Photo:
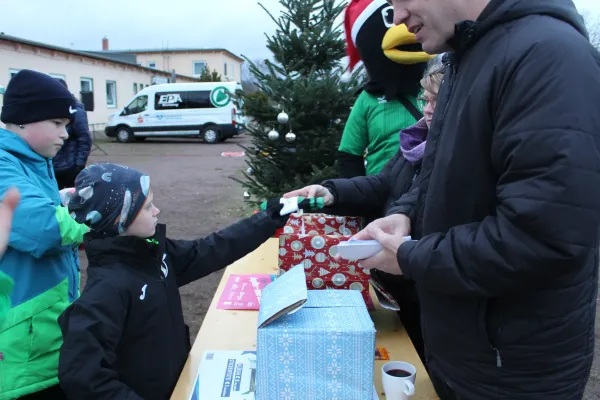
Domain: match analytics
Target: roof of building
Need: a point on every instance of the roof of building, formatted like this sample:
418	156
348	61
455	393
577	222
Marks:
83	54
176	50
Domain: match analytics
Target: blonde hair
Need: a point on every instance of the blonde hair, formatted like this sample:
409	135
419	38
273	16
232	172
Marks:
433	78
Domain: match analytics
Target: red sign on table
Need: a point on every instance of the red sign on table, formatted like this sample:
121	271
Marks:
243	292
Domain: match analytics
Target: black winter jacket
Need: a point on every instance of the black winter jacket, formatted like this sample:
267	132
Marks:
377	195
76	149
509	207
125	337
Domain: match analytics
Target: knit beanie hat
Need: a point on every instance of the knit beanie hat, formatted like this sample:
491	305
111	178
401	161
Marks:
108	197
33	97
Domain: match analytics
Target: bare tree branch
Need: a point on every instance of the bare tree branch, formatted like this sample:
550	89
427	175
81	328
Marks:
592	22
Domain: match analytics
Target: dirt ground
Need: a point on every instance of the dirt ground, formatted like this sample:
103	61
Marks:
196	197
194	193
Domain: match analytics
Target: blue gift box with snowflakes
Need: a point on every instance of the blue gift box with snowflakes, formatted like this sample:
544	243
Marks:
313	344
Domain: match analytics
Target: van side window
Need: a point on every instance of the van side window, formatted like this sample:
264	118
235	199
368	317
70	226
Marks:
138	105
199	99
169	101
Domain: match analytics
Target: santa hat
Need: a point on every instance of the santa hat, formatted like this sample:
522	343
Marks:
357	12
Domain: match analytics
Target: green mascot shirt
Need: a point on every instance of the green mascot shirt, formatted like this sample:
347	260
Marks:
374	125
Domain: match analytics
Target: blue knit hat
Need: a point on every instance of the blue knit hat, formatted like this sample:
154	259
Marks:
108	197
33	97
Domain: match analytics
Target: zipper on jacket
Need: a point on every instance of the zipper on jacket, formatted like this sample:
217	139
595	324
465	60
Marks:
498	358
451	63
50	169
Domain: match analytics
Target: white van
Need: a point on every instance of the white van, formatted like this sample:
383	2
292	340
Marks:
205	109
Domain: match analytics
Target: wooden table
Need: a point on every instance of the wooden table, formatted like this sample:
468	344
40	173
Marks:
236	330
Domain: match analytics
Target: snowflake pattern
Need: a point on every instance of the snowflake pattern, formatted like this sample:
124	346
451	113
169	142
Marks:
323	351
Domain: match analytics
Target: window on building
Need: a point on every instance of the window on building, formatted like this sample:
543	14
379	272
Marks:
151	64
199	67
225	70
12	72
135	88
86	84
111	94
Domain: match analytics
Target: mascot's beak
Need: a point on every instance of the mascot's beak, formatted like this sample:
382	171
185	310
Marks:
399	35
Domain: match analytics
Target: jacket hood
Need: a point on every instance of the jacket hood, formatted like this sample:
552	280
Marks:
136	252
499	12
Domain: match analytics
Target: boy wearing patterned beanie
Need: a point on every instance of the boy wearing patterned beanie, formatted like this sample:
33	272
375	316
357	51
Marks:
41	257
125	337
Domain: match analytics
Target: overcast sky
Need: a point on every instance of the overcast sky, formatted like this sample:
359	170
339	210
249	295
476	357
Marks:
237	25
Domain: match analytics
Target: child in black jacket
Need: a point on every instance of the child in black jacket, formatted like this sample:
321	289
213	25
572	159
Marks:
125	337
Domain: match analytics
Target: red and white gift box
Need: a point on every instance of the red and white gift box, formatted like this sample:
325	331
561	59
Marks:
311	240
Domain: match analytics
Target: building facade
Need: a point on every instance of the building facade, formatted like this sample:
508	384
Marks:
109	78
192	62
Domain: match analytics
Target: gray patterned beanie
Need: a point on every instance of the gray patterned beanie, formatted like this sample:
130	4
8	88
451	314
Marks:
108	197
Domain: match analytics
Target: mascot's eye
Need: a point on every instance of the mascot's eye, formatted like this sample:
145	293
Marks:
388	16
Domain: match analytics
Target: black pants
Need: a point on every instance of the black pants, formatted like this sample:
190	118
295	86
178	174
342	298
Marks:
66	178
52	393
404	292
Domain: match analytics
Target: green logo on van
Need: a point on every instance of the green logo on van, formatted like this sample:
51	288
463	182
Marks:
220	96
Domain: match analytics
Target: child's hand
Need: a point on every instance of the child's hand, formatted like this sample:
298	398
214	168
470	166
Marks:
66	195
9	204
286	206
313	191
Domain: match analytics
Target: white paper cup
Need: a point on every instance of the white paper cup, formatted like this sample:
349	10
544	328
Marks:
398	387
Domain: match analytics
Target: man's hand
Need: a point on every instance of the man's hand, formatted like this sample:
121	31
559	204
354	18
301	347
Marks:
9	204
389	232
311	192
395	224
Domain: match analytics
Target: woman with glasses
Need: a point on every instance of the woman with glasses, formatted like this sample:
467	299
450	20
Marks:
375	196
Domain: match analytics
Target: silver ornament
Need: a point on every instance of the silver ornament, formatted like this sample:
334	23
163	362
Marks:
246	196
249	171
273	135
283	118
338	121
290	137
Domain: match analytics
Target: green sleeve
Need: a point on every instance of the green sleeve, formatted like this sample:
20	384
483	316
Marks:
71	232
6	285
355	138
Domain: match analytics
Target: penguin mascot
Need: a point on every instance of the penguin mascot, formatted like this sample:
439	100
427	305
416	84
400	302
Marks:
395	63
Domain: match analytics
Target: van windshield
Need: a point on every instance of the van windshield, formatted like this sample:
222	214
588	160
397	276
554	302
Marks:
137	105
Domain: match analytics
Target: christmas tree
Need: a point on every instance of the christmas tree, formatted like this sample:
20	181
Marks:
301	106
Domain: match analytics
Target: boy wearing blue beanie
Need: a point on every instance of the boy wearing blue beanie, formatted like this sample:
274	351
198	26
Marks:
125	337
41	257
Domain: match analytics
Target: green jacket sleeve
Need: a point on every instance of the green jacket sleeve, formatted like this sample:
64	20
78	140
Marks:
6	285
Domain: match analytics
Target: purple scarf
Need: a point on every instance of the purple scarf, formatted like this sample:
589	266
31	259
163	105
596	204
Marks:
413	140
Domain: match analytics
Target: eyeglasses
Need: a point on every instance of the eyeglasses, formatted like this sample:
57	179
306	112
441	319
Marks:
423	101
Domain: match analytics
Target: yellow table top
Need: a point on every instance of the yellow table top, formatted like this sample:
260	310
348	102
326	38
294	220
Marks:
236	330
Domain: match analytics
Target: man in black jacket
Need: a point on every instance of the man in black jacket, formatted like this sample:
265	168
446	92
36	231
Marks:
508	205
73	155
